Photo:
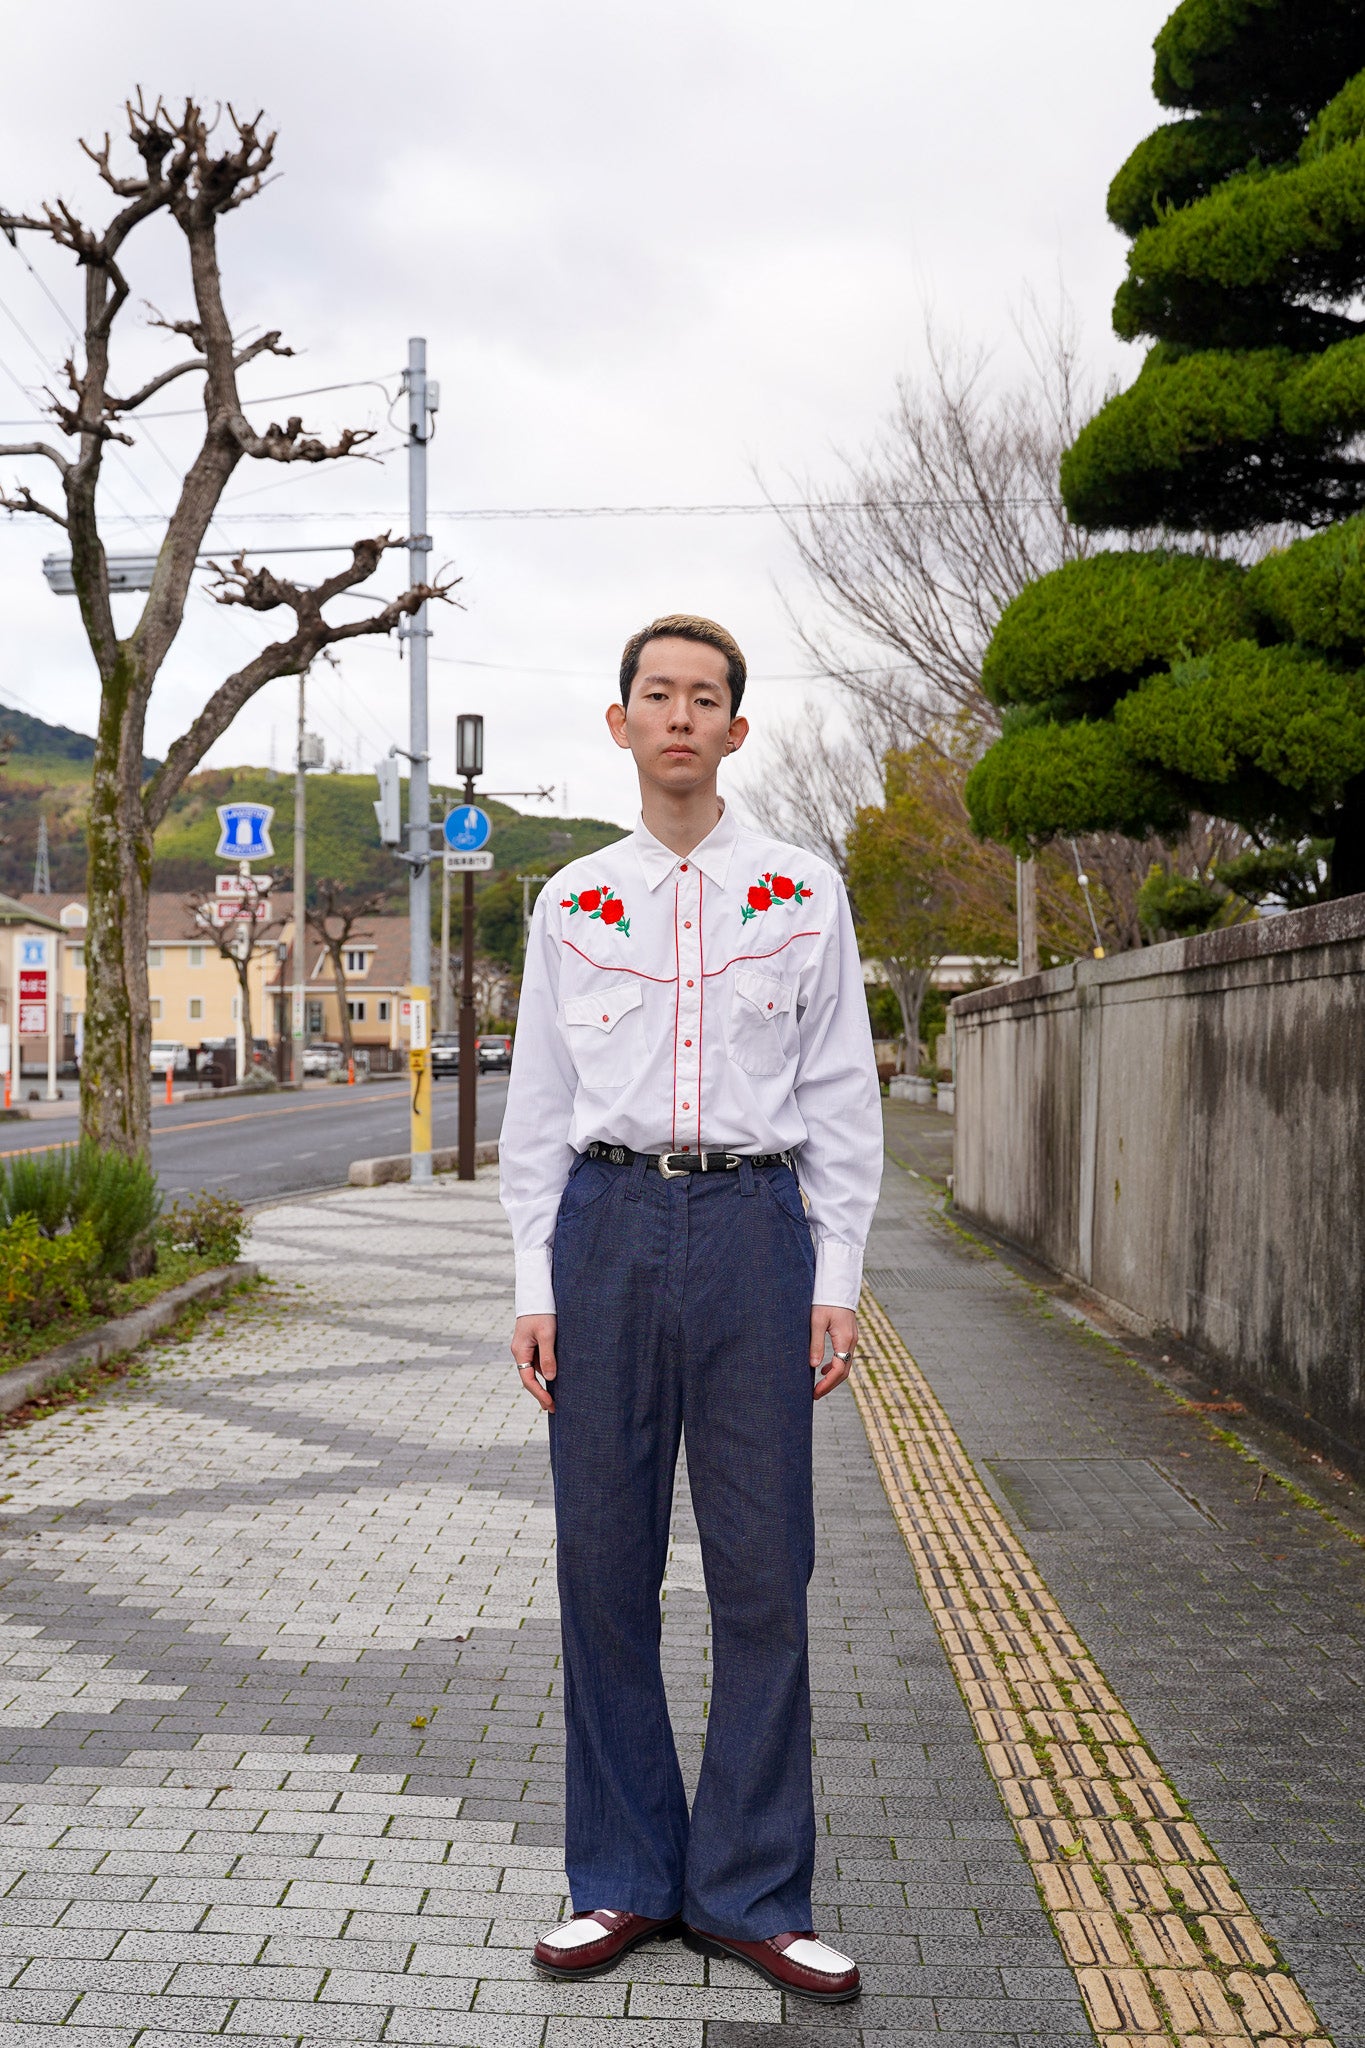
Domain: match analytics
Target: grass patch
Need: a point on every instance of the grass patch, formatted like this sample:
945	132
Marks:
174	1267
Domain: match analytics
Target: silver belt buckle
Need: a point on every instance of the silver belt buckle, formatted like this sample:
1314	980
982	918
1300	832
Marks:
670	1172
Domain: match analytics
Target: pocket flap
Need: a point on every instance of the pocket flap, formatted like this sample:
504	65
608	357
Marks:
605	1007
768	995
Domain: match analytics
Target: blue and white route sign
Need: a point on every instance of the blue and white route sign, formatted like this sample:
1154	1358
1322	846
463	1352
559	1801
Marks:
467	829
244	831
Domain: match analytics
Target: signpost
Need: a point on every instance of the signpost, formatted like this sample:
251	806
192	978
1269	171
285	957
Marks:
35	994
466	832
243	836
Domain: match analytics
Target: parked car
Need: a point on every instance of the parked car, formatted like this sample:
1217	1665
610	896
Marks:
170	1056
445	1053
494	1053
320	1059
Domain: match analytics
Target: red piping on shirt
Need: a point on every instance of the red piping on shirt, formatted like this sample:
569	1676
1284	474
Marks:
616	966
677	999
758	956
701	1000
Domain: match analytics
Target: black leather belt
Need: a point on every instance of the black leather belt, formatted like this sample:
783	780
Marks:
671	1163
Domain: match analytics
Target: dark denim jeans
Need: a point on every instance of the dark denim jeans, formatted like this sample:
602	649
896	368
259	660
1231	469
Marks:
684	1305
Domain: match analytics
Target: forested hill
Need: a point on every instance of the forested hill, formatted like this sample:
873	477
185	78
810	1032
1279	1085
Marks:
48	774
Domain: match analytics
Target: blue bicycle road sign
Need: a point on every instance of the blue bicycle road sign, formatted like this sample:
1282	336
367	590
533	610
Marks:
467	829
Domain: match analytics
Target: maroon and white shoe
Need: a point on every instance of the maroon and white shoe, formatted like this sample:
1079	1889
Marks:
592	1943
792	1962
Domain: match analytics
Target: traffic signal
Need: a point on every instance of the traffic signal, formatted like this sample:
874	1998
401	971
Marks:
389	808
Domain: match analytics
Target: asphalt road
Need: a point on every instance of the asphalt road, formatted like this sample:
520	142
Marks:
259	1148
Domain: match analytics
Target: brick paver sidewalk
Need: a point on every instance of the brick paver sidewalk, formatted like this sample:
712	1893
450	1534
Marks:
230	1590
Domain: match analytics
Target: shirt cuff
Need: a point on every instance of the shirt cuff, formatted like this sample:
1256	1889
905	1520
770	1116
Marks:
535	1295
838	1273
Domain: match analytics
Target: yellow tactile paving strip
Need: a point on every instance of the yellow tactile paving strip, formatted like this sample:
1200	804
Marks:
1163	1945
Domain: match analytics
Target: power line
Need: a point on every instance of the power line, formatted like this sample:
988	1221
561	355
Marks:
718	511
185	412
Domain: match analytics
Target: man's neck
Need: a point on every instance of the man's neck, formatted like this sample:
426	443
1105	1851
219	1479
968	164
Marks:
680	820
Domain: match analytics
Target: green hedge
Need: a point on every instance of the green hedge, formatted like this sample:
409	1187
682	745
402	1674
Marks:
1184	160
1094	628
1314	590
75	1186
1261	716
1045	781
1237	53
43	1279
1233	269
1219	440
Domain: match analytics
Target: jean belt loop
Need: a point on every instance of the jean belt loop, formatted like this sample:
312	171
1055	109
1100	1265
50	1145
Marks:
746	1177
639	1167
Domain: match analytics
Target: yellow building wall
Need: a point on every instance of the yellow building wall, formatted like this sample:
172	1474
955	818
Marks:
176	983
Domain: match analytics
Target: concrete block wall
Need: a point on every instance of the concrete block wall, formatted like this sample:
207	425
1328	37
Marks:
1182	1130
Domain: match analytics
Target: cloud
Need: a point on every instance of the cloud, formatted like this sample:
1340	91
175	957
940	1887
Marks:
649	246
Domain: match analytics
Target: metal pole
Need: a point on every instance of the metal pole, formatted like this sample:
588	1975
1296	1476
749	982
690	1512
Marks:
419	798
443	1000
468	1056
296	1021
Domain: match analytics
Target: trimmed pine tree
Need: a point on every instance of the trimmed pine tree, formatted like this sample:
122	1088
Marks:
1141	685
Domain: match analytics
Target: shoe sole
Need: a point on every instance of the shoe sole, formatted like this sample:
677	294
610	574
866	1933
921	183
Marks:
709	1945
670	1931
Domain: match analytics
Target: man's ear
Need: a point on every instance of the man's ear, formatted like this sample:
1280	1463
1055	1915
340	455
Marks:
739	732
616	724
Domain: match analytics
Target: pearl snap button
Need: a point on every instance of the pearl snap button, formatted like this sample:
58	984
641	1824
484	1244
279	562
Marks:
770	1006
606	1019
682	871
689	984
687	1041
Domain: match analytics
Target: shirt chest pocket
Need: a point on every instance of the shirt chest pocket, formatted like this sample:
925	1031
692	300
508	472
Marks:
762	1023
605	1034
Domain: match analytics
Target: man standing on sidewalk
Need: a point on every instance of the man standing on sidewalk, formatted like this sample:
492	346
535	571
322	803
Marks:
692	1052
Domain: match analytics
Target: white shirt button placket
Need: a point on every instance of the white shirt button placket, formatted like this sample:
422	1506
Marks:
687	1060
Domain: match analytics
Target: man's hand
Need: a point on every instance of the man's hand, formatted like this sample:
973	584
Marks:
533	1347
840	1325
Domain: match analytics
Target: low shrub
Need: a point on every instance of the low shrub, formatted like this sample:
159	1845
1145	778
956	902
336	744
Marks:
212	1225
43	1279
71	1185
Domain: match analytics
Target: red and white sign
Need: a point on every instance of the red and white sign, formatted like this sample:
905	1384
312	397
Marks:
33	984
32	1020
229	909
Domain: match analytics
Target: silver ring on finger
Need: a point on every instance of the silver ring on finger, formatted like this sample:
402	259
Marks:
844	1356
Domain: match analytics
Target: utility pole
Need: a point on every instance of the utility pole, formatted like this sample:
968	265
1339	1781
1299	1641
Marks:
420	407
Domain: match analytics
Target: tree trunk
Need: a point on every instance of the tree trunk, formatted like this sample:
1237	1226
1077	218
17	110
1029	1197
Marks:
343	1010
244	985
1346	869
116	1101
909	985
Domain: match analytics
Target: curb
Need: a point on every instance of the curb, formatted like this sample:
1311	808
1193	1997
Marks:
125	1333
374	1173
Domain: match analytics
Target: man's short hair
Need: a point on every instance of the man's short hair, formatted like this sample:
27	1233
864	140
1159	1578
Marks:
683	626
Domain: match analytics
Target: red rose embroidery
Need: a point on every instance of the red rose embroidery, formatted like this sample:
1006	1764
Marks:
600	903
773	889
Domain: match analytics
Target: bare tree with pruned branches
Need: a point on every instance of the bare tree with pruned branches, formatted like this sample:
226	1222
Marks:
333	916
177	174
240	941
912	553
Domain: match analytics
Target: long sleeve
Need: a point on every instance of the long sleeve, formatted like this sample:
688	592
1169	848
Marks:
534	1152
840	1104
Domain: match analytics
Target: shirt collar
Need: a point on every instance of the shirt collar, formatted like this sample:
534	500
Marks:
712	856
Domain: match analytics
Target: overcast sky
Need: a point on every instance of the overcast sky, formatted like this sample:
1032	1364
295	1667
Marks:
653	248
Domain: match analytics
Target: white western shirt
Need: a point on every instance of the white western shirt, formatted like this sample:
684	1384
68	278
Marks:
709	1003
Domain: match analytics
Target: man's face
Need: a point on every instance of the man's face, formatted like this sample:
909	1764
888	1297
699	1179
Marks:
677	723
